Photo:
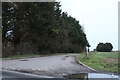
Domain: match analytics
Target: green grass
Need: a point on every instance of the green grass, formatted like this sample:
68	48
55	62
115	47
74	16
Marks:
60	54
109	54
33	55
21	56
95	61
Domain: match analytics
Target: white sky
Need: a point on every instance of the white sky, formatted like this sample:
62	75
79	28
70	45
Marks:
98	17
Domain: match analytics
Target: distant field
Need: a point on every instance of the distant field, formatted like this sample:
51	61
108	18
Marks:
106	61
109	54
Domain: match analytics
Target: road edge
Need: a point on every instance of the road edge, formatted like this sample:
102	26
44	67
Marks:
23	74
84	64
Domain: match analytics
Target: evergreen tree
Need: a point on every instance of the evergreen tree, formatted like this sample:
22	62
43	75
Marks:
40	28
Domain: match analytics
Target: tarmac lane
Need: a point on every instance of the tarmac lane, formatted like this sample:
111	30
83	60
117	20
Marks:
56	66
13	75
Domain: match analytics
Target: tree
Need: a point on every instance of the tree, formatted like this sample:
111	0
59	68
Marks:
40	28
104	47
108	47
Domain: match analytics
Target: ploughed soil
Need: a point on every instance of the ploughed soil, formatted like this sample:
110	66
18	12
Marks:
110	60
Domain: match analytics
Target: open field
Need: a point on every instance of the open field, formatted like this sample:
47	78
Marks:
105	61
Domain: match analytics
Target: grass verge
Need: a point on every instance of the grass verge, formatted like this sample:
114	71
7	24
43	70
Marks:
33	55
105	61
21	56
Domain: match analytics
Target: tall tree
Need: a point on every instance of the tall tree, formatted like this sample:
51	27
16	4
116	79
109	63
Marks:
40	28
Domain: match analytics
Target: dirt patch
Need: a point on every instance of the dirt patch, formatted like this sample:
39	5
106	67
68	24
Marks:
110	60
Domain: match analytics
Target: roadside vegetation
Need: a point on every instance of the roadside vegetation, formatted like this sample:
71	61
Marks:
21	56
32	55
105	61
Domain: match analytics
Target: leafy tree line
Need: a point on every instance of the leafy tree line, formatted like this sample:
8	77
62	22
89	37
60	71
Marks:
104	47
40	28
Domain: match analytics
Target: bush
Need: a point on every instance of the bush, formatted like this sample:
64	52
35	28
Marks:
104	47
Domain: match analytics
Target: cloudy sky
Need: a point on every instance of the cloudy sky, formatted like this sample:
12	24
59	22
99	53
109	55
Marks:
98	17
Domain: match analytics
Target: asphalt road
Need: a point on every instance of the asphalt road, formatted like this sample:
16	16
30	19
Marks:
56	66
12	75
42	68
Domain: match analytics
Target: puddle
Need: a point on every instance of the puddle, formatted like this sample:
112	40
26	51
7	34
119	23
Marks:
86	76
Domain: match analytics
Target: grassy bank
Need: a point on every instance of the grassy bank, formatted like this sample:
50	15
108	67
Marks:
21	56
33	55
106	61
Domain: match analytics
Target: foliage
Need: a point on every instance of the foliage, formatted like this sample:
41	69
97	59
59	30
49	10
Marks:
104	47
40	28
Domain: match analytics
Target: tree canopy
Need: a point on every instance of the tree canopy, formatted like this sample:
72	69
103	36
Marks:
40	28
104	47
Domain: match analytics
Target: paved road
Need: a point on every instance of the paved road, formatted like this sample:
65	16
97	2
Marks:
12	75
56	66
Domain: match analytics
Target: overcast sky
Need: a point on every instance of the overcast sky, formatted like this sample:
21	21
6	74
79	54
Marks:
98	17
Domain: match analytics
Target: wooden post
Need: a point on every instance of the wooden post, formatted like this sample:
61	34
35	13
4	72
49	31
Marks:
87	51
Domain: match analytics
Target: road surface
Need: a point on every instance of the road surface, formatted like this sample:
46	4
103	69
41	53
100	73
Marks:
12	75
56	66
